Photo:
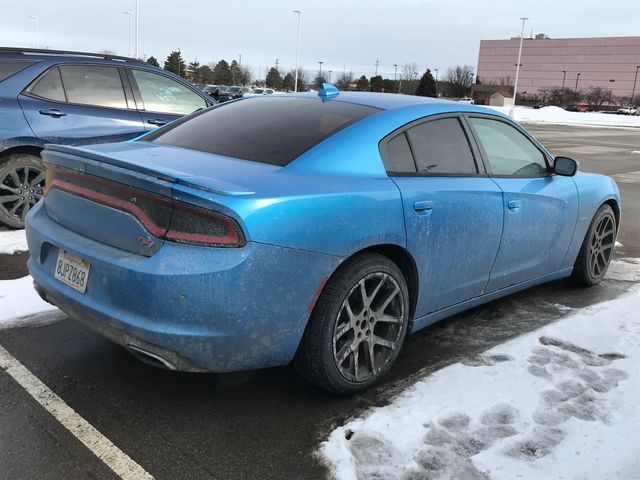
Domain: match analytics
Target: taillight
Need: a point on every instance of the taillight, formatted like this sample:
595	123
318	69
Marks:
199	226
163	217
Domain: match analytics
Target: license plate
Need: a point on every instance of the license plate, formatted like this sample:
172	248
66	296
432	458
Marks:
72	270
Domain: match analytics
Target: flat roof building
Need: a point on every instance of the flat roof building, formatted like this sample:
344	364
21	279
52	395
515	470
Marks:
606	62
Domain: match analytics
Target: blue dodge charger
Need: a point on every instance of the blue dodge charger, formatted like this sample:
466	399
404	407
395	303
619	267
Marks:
316	229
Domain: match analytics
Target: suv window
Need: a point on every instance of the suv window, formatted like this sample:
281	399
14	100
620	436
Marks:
49	86
9	67
162	94
441	147
508	151
93	85
275	130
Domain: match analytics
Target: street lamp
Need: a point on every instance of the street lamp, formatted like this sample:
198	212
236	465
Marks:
329	77
137	24
575	91
295	83
633	92
320	63
36	20
515	84
564	77
130	32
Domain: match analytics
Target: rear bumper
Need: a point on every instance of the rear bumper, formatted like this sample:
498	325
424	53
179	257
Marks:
198	308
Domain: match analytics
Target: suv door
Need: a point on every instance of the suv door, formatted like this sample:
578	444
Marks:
540	208
453	211
81	104
161	99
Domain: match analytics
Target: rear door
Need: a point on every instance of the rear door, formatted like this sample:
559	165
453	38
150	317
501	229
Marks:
81	104
161	99
453	211
540	208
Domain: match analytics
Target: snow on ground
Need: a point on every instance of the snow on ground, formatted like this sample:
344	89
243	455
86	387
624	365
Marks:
12	241
20	305
560	116
561	402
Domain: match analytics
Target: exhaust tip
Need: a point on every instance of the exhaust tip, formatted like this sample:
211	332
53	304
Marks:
150	358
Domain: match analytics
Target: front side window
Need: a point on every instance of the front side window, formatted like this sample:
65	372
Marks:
441	147
49	86
275	130
162	94
508	151
93	85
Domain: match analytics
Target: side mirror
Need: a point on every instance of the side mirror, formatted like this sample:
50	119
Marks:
565	166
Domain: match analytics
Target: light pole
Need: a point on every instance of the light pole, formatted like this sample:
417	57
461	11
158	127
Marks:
564	77
515	84
130	32
395	74
295	83
436	70
240	60
329	78
137	24
37	33
633	92
575	91
320	63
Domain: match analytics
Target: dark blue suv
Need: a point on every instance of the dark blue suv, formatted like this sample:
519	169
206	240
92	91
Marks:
75	98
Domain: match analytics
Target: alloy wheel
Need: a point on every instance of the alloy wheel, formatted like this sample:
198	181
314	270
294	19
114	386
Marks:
601	246
20	189
368	327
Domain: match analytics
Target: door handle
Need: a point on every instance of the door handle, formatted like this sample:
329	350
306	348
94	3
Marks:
514	204
157	121
423	205
54	112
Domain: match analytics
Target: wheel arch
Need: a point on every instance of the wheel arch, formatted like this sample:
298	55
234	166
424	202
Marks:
24	149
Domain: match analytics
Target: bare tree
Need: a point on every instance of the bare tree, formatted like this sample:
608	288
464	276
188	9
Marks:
409	71
244	75
459	80
344	81
596	96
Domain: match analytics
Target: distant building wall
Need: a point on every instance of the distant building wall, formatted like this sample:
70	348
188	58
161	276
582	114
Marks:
598	60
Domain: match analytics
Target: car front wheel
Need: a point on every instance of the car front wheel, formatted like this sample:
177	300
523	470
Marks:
597	249
357	326
21	186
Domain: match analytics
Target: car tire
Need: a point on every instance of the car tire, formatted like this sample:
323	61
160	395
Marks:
16	172
596	250
365	302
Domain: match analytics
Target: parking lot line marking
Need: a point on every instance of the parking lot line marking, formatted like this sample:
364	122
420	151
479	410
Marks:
98	444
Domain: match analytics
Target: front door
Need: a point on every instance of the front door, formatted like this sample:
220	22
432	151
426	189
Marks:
540	208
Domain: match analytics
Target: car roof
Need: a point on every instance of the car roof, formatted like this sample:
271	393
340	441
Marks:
57	55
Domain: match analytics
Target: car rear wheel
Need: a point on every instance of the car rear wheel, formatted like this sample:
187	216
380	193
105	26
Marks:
597	249
21	186
357	327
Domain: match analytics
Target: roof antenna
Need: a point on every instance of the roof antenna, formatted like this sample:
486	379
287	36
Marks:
328	91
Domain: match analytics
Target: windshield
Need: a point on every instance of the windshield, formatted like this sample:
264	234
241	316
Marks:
233	89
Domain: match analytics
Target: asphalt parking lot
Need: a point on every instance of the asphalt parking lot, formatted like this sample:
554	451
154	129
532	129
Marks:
263	424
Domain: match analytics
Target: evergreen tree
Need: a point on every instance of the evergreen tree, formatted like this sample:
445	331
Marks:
273	79
389	85
362	84
427	85
152	61
206	74
235	73
376	83
288	84
194	71
174	63
222	73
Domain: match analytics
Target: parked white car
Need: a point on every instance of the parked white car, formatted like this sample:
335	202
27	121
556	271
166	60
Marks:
468	100
627	111
256	92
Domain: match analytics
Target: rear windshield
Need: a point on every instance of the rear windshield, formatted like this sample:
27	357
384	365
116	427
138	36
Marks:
9	67
272	130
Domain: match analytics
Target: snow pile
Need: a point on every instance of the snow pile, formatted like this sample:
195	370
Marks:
560	116
12	241
560	402
20	305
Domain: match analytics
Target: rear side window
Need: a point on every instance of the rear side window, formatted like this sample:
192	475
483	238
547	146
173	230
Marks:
49	86
9	67
93	85
442	147
162	94
268	129
399	158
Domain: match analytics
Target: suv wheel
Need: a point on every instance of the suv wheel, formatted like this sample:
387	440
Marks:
21	186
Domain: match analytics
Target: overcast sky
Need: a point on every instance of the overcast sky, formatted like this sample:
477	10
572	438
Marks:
349	34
